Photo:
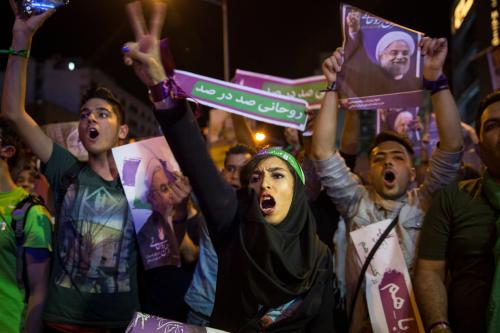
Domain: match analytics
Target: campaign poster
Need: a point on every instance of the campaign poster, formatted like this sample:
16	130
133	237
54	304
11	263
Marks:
66	135
146	169
388	288
470	156
382	64
403	121
145	323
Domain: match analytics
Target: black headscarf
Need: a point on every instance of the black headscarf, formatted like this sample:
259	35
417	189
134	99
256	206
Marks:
280	261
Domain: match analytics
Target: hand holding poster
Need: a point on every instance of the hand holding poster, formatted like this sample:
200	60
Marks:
146	169
382	64
389	293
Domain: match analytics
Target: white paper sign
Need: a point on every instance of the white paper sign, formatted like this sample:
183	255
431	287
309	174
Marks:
389	293
145	167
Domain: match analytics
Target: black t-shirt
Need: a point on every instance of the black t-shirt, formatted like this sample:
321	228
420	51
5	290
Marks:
460	228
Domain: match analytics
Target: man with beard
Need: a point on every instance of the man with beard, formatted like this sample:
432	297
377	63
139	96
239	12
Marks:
393	52
460	234
391	171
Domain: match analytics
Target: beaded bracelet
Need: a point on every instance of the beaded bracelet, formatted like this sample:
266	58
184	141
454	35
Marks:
20	53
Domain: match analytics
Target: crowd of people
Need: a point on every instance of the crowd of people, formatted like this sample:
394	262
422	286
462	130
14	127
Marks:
262	245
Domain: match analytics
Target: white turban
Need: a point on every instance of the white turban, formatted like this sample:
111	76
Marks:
391	37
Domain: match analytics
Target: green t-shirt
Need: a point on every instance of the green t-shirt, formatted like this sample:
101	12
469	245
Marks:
37	233
460	229
94	275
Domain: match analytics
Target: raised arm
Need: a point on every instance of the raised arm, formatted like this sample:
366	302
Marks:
14	87
349	140
340	185
325	125
243	132
445	162
217	199
447	115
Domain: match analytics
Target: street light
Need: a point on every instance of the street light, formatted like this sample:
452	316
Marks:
260	136
225	34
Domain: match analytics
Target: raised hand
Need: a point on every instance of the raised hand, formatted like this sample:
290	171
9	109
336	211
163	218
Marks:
333	64
26	27
180	191
144	54
434	51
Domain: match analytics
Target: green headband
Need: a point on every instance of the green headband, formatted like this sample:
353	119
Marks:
287	157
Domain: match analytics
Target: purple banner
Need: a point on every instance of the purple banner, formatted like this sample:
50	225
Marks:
145	323
308	88
395	299
382	64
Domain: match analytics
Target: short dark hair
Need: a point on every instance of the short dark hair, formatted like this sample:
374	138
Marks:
392	136
108	96
10	138
238	149
485	102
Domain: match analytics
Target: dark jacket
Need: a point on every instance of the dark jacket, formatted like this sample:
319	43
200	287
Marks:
224	214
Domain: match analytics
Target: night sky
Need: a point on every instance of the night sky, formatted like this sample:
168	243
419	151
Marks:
283	38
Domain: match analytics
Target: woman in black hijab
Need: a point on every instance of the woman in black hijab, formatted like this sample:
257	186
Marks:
274	273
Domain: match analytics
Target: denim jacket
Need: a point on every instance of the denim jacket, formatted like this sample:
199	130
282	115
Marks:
361	205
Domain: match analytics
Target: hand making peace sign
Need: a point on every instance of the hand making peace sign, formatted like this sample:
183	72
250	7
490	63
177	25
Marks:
144	54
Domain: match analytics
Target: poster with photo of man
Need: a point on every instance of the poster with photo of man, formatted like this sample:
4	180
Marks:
146	169
382	65
403	121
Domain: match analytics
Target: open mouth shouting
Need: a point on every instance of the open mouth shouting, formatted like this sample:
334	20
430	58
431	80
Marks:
93	133
389	178
267	204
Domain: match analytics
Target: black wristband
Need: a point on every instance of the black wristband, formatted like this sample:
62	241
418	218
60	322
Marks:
435	86
330	87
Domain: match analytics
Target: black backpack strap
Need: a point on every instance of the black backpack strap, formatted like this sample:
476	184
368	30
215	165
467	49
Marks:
367	263
19	217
